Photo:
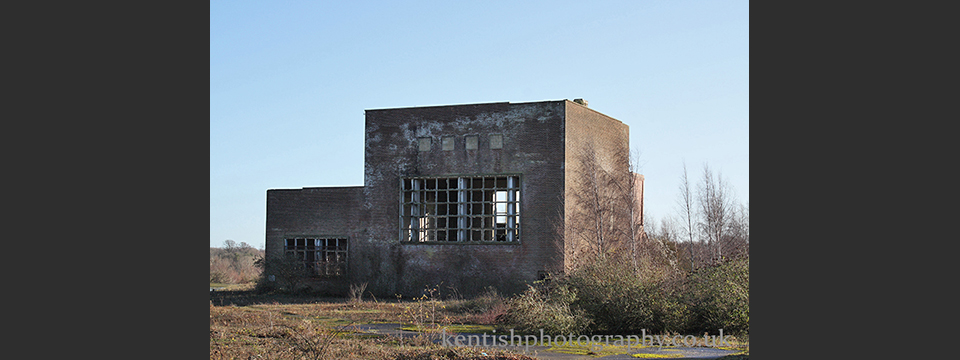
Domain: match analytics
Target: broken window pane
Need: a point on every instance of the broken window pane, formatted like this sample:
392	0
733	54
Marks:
470	208
323	257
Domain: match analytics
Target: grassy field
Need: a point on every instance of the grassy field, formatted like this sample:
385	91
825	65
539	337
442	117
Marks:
246	325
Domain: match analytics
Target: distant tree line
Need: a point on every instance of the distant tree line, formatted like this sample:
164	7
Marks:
710	226
234	264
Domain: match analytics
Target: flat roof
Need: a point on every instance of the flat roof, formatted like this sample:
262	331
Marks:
467	104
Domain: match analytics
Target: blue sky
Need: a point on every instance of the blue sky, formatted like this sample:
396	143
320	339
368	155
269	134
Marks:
290	80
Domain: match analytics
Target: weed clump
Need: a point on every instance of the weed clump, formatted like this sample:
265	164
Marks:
548	308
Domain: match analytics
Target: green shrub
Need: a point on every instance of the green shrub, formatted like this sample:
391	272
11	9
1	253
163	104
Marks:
608	297
621	302
718	298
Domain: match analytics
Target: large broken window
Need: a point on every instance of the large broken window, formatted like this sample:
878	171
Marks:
325	257
461	209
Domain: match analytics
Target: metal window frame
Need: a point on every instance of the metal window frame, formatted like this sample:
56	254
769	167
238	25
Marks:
316	248
419	231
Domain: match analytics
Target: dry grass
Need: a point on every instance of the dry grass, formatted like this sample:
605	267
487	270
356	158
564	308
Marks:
252	326
320	330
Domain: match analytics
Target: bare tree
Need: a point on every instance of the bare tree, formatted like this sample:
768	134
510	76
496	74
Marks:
587	237
686	204
736	240
659	256
687	213
600	222
633	188
606	220
716	211
671	233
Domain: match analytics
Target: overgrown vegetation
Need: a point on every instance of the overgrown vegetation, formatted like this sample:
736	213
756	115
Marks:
603	298
620	302
629	276
248	324
234	264
718	297
606	298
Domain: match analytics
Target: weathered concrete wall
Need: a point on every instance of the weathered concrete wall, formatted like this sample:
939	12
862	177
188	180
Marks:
533	142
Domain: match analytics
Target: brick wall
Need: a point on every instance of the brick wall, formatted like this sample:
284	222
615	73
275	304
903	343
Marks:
607	140
315	212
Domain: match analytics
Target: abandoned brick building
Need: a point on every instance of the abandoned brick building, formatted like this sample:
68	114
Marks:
461	196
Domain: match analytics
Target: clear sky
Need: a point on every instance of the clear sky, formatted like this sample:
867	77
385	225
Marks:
290	80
